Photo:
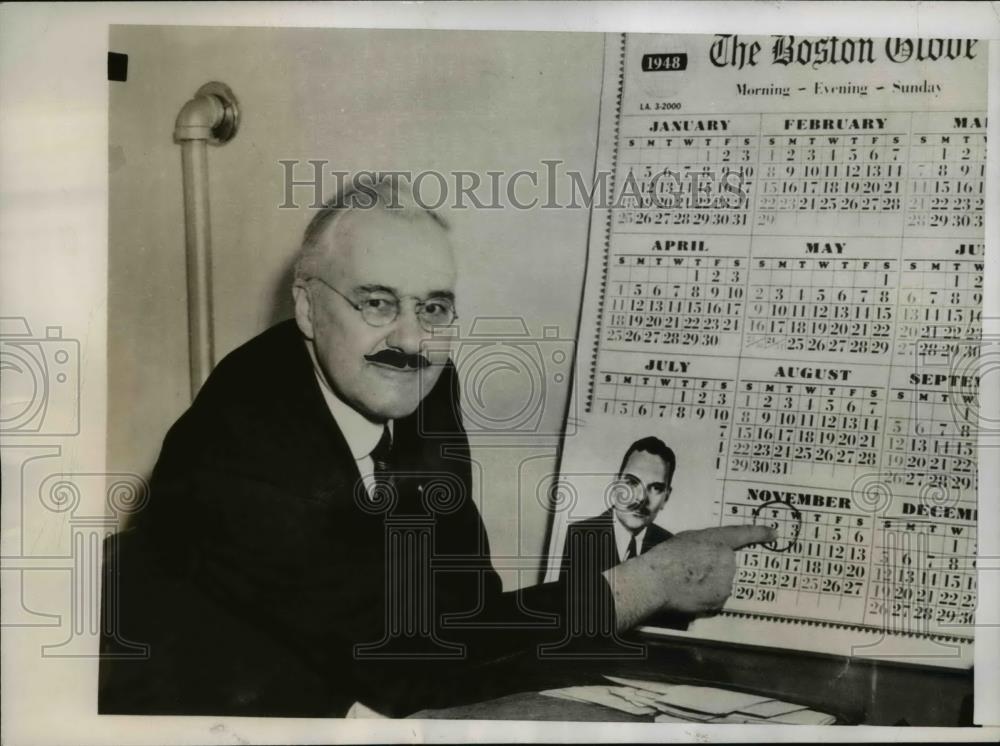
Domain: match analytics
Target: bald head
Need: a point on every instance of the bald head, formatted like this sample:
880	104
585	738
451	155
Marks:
322	235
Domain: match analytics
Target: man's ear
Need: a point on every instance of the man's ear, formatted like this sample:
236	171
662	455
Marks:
303	309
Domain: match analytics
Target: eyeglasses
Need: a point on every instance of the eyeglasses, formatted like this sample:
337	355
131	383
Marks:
381	308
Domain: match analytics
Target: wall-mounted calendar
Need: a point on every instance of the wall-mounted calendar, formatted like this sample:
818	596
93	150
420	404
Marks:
784	287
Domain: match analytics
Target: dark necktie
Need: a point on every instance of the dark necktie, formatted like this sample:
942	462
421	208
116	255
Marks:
630	553
382	466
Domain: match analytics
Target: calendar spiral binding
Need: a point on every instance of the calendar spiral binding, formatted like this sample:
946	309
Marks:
588	407
956	639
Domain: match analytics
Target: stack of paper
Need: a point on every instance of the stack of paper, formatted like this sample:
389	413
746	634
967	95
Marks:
608	696
683	703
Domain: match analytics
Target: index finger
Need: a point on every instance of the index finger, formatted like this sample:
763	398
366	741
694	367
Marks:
740	536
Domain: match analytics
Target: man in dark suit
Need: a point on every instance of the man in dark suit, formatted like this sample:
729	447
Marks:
311	540
626	529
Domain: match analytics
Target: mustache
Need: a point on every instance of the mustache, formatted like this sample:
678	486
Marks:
399	359
634	506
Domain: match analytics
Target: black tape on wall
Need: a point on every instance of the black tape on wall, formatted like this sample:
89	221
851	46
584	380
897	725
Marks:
117	67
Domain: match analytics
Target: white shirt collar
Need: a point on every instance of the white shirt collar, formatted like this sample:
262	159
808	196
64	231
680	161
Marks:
623	536
361	434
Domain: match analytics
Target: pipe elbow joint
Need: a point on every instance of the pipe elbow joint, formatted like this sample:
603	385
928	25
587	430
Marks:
212	116
199	117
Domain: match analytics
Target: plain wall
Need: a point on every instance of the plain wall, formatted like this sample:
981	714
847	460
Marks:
359	99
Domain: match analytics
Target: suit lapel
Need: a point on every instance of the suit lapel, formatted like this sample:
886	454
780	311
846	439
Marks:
335	476
654	535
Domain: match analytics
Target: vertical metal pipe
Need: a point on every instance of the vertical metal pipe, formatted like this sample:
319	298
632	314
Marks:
212	116
198	238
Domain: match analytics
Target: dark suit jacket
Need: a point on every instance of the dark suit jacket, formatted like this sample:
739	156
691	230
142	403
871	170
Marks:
254	570
591	543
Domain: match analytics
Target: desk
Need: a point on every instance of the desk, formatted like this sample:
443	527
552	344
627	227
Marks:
856	691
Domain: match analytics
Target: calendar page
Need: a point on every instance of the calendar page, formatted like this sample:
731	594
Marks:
784	289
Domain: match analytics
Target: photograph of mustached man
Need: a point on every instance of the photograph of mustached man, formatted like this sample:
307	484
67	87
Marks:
627	527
